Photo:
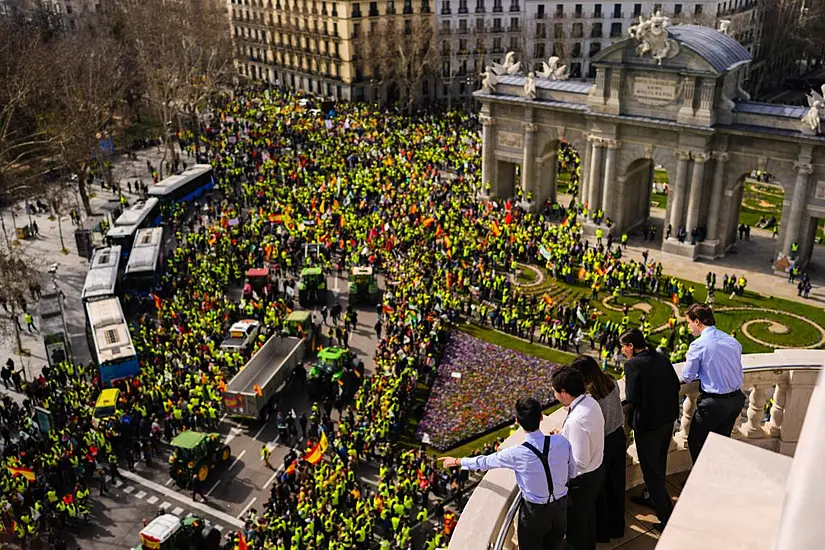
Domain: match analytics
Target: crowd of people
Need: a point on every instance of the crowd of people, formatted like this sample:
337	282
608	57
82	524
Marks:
370	187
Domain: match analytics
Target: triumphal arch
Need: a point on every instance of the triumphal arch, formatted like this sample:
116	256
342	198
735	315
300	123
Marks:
668	96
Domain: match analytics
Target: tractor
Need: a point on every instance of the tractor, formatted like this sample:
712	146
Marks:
363	286
196	453
333	374
312	287
169	532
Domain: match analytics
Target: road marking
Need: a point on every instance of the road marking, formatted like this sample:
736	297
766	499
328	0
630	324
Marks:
215	486
174	495
219	527
259	431
152	500
165	505
140	494
169	482
273	476
233	433
229	421
237	458
190	514
177	511
245	508
118	483
129	489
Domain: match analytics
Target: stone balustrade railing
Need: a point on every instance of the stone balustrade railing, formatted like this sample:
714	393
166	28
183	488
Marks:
786	376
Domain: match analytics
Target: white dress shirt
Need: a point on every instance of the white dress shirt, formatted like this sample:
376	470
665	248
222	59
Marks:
584	428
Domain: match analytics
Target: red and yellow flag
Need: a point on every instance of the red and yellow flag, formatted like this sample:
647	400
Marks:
242	545
496	229
28	473
258	390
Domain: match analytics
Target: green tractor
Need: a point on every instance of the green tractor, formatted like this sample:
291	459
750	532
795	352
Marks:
363	286
329	371
196	453
312	287
299	325
169	532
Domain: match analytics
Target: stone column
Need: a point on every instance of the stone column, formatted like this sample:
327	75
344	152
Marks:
716	194
800	193
548	180
528	163
608	186
677	198
584	173
696	185
595	186
487	153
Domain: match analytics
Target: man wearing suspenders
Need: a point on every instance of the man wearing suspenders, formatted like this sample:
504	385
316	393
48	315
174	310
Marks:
543	465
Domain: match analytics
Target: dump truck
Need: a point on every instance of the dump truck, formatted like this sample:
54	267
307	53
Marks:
250	394
363	286
169	532
196	453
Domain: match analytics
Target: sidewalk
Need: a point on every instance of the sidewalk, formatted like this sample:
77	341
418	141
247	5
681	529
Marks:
44	250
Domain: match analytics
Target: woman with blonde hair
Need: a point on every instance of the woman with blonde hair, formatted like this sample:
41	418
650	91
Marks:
610	520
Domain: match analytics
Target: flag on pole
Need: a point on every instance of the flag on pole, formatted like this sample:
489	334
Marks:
242	545
158	301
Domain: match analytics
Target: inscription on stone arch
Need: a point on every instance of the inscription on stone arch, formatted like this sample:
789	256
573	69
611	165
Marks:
510	140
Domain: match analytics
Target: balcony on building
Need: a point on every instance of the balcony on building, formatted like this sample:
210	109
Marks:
759	489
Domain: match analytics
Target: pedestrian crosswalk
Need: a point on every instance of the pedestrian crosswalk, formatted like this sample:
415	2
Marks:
165	506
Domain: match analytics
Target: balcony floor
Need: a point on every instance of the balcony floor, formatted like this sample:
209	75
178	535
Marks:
640	534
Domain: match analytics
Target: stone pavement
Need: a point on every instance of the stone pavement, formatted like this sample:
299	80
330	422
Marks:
71	273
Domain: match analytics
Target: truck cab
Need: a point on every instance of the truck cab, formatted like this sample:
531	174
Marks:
241	335
169	532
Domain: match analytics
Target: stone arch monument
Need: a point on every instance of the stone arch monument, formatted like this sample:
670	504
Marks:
670	96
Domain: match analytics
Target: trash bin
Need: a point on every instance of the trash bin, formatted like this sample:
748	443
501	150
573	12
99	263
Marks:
22	232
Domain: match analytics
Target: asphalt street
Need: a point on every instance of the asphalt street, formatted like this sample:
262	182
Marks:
243	483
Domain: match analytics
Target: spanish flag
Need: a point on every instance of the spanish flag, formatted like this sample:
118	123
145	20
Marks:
387	309
258	390
291	469
28	473
428	221
315	455
496	229
158	301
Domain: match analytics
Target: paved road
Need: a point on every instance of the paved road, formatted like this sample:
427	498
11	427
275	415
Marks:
233	489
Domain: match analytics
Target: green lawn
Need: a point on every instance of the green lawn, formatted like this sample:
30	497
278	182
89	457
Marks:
526	276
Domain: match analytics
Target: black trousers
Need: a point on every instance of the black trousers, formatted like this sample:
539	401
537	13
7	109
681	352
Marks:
581	512
714	413
651	447
610	518
542	526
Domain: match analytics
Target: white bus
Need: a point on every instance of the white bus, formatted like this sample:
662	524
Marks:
145	264
109	338
142	214
101	279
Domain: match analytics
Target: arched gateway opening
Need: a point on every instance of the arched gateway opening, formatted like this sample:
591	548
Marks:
676	111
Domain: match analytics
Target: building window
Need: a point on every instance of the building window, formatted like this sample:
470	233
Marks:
514	5
577	10
445	27
390	7
596	30
373	9
541	30
425	6
657	8
540	11
539	50
407	7
617	11
558	31
356	30
514	46
637	10
479	24
578	30
497	5
597	10
513	24
445	7
677	9
595	47
462	46
497	45
576	70
615	30
445	69
497	24
698	9
407	27
479	6
462	26
356	10
462	6
559	10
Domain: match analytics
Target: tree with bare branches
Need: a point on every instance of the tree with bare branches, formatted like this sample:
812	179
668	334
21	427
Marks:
406	53
182	64
84	84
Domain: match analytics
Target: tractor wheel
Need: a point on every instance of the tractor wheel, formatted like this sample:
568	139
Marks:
224	454
203	472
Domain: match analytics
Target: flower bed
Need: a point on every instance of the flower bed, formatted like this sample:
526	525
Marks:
483	396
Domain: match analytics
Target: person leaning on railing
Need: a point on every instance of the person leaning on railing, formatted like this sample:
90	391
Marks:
715	359
543	465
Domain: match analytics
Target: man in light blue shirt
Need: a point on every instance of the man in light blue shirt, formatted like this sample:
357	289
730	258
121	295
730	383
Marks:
715	359
543	465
